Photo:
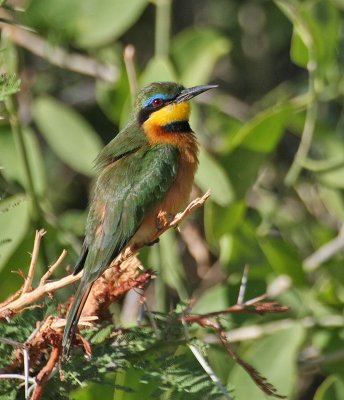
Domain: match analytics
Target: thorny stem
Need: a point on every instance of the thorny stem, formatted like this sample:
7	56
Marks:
162	27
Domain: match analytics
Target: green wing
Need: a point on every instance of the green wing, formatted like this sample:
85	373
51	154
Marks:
124	193
127	141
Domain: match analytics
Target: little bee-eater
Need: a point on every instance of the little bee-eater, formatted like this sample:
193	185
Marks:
148	168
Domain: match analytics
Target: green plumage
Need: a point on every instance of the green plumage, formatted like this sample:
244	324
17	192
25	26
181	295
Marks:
133	176
128	189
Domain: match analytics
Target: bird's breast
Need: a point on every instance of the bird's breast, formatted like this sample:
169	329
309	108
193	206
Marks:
178	194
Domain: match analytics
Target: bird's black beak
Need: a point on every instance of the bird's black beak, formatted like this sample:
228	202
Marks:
187	94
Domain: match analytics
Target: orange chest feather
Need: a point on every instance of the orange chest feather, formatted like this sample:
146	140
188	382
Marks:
178	194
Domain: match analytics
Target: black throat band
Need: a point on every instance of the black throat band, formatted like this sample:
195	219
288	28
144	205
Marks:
177	127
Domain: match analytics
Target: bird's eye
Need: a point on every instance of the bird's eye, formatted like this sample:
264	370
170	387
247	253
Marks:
157	102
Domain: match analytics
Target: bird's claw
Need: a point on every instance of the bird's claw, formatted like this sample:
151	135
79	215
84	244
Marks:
163	219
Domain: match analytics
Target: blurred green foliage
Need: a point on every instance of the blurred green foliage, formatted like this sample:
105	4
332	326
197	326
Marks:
272	153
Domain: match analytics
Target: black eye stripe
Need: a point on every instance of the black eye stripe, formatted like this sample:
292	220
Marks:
146	111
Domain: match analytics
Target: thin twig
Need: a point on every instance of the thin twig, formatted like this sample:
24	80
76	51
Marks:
12	342
260	380
28	298
26	371
128	55
44	288
16	376
129	252
253	332
243	284
251	306
325	252
209	371
152	321
58	56
45	373
28	281
162	27
52	268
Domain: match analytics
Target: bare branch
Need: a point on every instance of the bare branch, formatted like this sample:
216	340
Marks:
45	372
251	306
57	55
197	203
52	268
260	380
129	61
31	297
28	281
8	309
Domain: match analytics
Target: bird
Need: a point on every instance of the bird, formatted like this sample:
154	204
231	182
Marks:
147	169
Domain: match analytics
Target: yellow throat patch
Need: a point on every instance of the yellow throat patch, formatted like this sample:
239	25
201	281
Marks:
168	114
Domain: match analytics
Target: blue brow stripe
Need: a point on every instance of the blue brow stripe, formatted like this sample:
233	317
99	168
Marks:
163	96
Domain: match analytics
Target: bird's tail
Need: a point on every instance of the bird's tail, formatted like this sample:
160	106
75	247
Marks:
74	314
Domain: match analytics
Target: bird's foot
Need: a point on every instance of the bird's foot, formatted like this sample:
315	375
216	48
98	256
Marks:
163	218
153	242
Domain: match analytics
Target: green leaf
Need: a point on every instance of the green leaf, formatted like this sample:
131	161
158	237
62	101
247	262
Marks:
283	258
19	259
298	50
112	97
332	388
8	55
195	52
67	133
213	299
316	33
13	168
243	168
333	200
263	132
94	390
99	22
275	358
14	222
86	22
211	175
221	220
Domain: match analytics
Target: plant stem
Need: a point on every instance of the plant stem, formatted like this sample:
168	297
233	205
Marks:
162	27
293	11
308	130
23	155
128	55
